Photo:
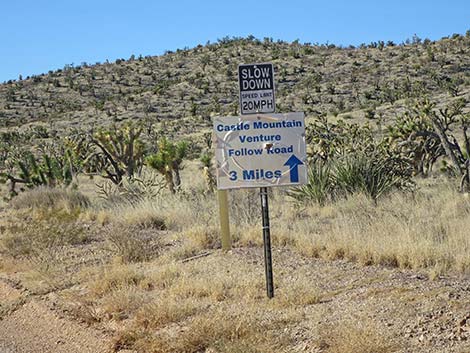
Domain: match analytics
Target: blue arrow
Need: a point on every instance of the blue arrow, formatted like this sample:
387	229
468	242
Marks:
293	162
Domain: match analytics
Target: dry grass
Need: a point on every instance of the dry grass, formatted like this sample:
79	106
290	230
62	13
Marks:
171	212
113	277
123	302
143	215
10	304
297	294
41	232
195	306
215	306
218	306
425	231
219	331
45	197
42	220
202	237
165	276
165	310
356	335
130	243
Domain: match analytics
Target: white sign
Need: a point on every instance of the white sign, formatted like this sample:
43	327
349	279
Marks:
256	88
260	150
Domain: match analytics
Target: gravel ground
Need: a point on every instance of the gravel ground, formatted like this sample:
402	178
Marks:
418	314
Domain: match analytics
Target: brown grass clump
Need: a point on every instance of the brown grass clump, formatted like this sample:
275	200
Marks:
46	197
143	215
123	302
114	277
353	336
248	236
165	276
297	294
115	291
218	331
178	212
424	231
217	289
195	306
131	243
163	311
202	237
42	232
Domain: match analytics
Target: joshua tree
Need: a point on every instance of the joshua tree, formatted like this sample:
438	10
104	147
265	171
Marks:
118	152
206	160
168	161
413	136
33	171
442	121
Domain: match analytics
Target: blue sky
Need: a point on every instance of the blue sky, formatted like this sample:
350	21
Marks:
40	35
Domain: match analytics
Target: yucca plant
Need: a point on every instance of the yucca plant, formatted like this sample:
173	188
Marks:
374	175
320	187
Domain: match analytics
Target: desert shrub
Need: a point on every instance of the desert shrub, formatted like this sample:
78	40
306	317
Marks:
168	161
328	140
131	243
116	152
43	234
413	136
347	159
146	186
245	207
46	197
47	168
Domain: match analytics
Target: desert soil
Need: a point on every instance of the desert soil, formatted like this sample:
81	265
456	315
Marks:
419	314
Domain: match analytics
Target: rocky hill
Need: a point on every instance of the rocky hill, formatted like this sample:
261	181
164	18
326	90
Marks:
180	91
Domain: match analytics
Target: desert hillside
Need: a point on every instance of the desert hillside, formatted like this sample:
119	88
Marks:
183	89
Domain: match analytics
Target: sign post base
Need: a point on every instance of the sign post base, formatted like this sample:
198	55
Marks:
224	219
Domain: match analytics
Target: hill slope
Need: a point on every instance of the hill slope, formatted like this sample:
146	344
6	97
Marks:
183	89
